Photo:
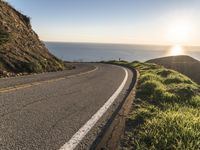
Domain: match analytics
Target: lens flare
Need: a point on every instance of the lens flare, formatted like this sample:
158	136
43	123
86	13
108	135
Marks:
180	32
176	50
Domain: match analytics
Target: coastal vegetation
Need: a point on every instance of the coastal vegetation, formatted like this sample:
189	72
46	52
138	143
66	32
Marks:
165	113
4	36
23	17
21	50
182	63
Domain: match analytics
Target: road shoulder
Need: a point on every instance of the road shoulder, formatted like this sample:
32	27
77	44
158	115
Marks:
110	138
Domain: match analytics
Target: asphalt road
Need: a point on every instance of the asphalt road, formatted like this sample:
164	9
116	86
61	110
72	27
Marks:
43	112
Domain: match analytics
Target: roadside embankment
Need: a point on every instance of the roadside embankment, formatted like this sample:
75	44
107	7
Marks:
165	113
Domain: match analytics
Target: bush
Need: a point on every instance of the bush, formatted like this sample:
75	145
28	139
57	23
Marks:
148	88
33	67
195	101
185	92
177	79
149	77
4	36
165	72
29	67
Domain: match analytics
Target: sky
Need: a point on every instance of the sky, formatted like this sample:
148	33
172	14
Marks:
160	22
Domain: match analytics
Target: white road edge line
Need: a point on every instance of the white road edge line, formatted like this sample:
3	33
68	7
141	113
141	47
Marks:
81	133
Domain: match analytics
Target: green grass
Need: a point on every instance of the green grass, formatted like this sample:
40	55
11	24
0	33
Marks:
166	112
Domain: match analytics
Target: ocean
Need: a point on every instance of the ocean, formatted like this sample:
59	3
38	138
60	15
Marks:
90	52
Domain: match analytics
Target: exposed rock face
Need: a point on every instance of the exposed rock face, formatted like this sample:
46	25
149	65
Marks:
183	64
20	48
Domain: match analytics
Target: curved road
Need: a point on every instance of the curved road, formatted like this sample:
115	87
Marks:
47	111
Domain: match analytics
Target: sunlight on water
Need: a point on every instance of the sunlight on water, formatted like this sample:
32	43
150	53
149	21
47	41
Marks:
176	50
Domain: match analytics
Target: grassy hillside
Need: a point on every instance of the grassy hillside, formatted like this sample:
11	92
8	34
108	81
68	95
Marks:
20	47
166	111
184	64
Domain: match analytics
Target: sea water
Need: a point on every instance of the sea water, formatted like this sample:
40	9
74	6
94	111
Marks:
90	52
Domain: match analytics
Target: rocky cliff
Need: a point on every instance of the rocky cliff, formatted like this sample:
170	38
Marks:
20	48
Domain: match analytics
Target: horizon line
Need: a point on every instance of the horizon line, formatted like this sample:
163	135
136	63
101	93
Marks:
116	43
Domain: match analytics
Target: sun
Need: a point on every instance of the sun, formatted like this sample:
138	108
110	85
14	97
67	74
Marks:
179	31
176	50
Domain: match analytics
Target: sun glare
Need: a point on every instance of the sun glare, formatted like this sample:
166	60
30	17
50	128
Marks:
176	50
179	31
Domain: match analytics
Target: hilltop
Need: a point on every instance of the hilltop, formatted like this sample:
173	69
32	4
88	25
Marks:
183	64
21	51
165	113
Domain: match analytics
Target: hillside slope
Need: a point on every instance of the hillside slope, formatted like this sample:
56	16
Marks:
165	113
20	48
183	64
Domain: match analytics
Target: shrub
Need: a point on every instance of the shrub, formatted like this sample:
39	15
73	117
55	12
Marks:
33	67
28	67
4	36
164	72
149	76
195	101
185	92
177	79
148	88
154	91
